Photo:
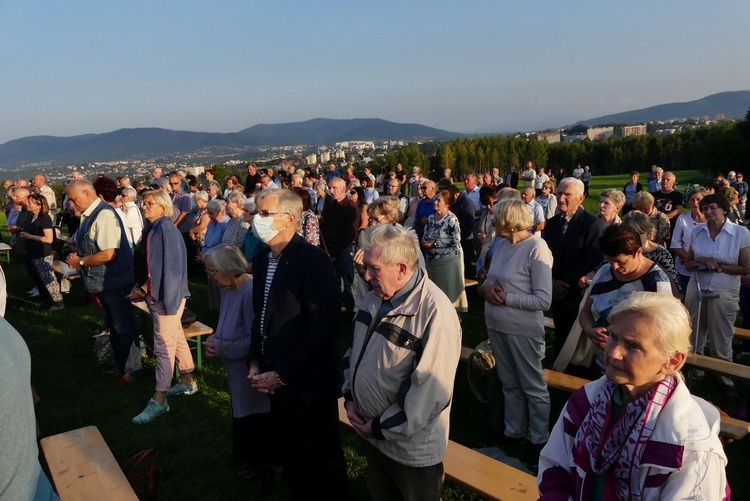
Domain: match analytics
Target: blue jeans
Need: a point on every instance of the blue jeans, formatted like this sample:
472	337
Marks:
119	317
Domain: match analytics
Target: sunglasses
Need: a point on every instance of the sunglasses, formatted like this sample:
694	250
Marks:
423	188
266	213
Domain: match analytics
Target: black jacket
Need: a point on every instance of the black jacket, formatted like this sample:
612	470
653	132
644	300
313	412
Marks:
578	252
303	320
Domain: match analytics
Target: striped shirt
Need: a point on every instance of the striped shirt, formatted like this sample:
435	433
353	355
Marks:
273	263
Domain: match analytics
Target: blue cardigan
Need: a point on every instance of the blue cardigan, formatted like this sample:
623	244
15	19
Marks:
167	265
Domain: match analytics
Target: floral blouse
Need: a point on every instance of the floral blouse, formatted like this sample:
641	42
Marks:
310	229
446	234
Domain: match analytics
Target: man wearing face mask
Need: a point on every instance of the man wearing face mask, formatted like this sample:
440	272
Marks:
293	356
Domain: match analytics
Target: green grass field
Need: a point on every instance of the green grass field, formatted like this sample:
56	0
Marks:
194	439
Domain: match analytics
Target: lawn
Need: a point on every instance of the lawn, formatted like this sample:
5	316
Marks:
194	439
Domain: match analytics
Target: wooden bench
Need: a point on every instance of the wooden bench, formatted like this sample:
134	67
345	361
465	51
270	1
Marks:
5	250
468	282
193	333
731	429
83	468
719	366
482	474
741	333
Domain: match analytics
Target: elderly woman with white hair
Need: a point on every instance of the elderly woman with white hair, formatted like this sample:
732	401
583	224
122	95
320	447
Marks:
160	272
132	219
518	290
236	226
227	267
637	432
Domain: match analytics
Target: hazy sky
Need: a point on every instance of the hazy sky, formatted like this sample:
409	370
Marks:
76	67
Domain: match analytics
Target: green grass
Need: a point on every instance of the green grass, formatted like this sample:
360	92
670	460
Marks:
194	439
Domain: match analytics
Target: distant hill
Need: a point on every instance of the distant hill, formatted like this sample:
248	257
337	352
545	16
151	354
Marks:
153	142
733	104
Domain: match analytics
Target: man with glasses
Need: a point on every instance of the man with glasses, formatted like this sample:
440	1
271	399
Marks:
293	356
393	189
103	255
183	205
425	207
337	232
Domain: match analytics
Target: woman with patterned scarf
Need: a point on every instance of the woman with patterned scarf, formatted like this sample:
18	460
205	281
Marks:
637	433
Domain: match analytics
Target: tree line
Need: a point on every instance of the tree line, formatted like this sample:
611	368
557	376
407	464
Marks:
711	149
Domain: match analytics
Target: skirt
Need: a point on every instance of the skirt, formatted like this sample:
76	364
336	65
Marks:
447	272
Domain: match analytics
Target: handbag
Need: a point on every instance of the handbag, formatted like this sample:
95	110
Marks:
142	473
480	364
188	317
103	348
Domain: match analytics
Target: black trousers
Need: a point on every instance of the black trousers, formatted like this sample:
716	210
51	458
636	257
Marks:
309	449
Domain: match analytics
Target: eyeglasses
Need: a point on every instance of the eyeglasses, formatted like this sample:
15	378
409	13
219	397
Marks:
353	192
175	184
393	186
374	219
423	188
211	273
148	204
266	213
545	188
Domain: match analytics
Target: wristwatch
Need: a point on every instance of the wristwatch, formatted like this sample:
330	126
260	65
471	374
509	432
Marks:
719	268
80	262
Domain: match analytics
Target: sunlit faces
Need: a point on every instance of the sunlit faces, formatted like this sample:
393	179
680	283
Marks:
714	213
151	210
440	206
668	181
385	279
694	202
632	358
607	208
569	198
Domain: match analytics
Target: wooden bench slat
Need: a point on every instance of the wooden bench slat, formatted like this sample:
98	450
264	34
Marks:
719	366
731	428
482	474
83	468
742	333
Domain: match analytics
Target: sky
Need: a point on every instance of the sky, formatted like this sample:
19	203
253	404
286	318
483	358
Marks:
79	67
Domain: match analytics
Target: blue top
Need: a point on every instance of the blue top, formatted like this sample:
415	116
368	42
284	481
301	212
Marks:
167	265
214	233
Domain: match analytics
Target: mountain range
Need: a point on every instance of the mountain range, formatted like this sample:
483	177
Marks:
145	143
733	104
153	142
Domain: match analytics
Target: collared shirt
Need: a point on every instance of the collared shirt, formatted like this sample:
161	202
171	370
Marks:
183	204
725	248
400	296
537	213
105	230
473	195
47	192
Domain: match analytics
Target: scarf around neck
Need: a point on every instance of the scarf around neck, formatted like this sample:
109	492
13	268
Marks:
616	449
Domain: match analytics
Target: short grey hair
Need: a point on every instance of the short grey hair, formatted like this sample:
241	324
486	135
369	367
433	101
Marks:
399	244
236	197
249	203
512	215
576	183
286	201
201	195
669	316
130	192
617	197
214	184
227	260
508	193
217	205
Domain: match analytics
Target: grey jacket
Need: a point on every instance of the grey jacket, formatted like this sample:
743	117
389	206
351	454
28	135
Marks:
401	372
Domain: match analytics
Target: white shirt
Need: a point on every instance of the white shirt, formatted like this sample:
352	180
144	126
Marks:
725	249
537	212
682	238
473	195
528	176
540	180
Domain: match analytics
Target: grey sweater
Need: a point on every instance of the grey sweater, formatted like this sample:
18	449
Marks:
524	271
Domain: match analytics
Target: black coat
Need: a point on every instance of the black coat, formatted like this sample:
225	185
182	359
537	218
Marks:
303	320
578	252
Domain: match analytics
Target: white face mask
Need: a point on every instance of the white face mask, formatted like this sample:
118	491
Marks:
263	228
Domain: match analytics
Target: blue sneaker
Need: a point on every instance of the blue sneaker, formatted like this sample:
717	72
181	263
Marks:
183	389
152	411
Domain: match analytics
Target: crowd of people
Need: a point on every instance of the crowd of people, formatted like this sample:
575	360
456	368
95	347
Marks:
287	253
